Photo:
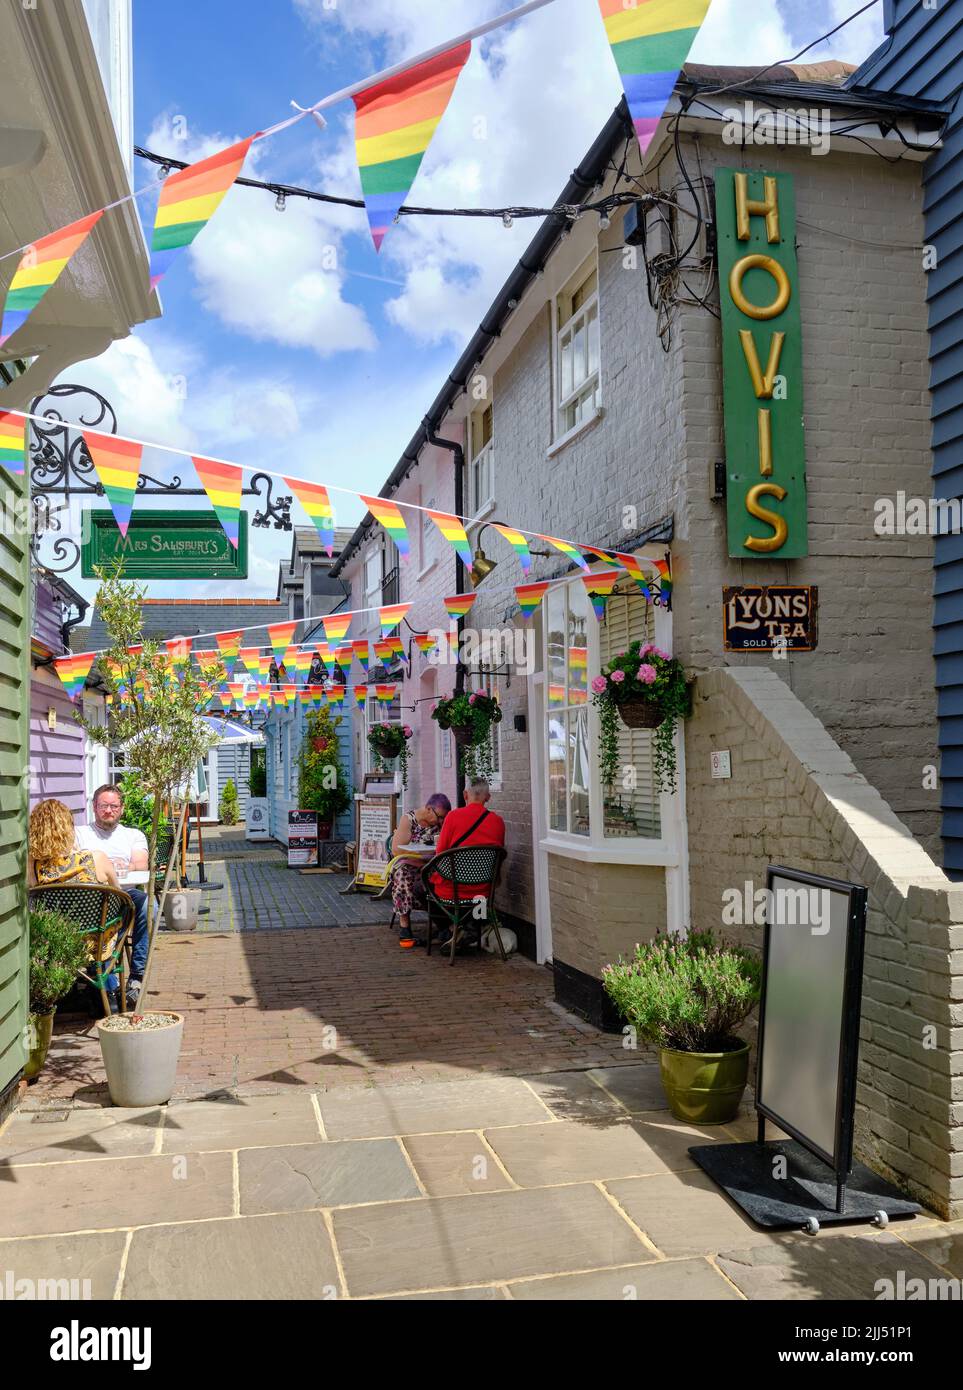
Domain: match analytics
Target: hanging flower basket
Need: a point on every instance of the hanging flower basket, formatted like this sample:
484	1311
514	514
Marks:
390	741
470	717
644	688
640	714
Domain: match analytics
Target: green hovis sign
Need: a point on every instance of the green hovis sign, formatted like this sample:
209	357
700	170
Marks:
762	365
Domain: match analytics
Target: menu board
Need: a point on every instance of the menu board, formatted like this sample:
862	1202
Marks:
302	839
375	822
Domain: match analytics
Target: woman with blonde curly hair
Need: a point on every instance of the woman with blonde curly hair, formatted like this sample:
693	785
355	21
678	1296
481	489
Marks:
53	855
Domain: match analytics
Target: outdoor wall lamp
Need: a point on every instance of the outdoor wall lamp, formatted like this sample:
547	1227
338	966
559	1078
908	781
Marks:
482	566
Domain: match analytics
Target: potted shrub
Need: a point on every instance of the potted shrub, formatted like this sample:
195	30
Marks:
256	812
57	952
645	688
140	1053
230	810
470	717
390	741
688	996
322	781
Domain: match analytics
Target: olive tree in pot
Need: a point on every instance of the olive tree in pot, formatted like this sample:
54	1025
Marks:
57	952
155	700
689	996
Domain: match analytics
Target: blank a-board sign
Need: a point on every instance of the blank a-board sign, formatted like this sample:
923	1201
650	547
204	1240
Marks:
809	1011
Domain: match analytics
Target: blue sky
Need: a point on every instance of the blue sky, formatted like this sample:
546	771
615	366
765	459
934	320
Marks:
286	340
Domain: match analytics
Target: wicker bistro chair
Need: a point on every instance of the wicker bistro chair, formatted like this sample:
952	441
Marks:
471	866
105	917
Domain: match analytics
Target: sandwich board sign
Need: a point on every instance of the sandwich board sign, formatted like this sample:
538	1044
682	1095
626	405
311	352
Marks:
302	839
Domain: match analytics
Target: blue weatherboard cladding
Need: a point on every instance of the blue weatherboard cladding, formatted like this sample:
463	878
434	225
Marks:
923	57
283	732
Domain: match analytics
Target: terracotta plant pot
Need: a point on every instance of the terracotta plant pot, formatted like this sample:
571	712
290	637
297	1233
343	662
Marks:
704	1088
640	714
141	1066
39	1032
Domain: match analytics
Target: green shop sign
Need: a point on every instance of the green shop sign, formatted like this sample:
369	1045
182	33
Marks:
165	545
761	365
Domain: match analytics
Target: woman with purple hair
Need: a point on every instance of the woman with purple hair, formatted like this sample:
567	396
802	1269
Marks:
416	833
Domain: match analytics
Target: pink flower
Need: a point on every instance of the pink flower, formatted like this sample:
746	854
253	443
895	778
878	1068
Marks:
649	647
657	651
433	708
646	674
618	677
407	731
599	684
472	699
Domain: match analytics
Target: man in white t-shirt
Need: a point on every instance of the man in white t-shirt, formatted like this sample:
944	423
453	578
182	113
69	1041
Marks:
126	847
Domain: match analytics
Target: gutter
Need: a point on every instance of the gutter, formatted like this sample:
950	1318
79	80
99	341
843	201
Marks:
617	129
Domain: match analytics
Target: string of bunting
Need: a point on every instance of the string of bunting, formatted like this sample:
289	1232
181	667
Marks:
397	112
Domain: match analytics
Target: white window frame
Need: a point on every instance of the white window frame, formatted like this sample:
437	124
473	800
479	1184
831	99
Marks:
482	462
377	713
371	598
596	846
590	386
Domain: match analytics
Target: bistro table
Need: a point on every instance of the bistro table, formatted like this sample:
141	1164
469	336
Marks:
135	878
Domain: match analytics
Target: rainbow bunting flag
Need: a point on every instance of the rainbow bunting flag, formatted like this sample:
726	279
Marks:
315	501
253	698
650	44
73	671
556	694
530	596
361	654
602	555
279	695
458	605
189	199
238	691
665	581
117	463
251	658
393	125
222	483
388	515
361	696
599	588
383	651
635	570
279	635
178	650
13	443
425	642
518	543
38	269
335	694
578	658
306	695
453	532
385	693
326	653
229	646
567	549
343	656
336	626
391	615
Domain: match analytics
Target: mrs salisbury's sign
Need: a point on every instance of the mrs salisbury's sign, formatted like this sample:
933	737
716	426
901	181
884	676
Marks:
762	365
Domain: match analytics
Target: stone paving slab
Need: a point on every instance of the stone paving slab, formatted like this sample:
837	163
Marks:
38	1137
804	1267
575	1095
685	1214
941	1242
682	1280
260	1257
568	1151
637	1088
229	1123
451	1241
452	1165
95	1257
431	1108
40	1199
302	1176
482	1293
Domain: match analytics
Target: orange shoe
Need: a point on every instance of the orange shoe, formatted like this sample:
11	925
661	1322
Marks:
406	942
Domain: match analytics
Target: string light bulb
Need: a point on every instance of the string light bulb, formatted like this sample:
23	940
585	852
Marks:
280	202
507	220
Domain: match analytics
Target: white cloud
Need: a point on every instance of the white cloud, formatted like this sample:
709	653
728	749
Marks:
272	276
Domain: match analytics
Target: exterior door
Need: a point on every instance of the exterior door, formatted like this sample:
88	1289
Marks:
14	789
